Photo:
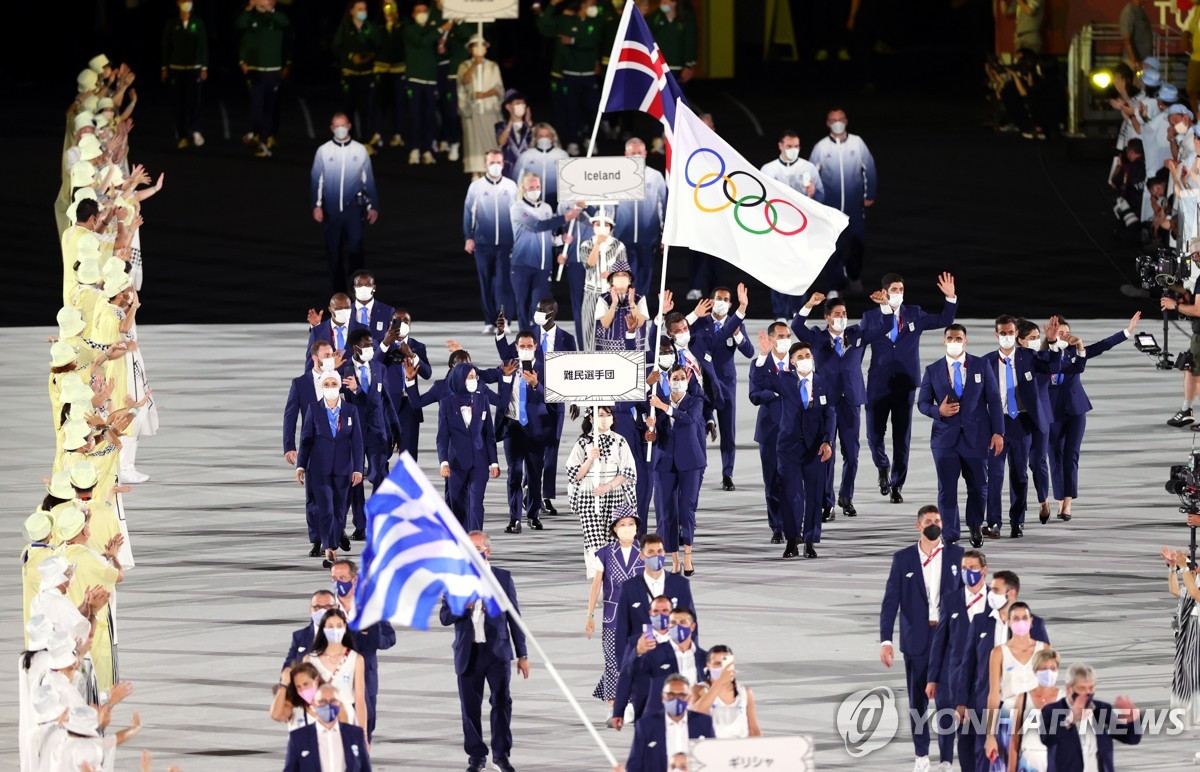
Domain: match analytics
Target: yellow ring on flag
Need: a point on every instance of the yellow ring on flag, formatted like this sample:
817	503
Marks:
700	183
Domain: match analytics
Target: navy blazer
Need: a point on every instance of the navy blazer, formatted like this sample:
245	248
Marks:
439	389
502	633
896	367
465	447
302	395
324	331
1067	396
950	640
1065	749
368	643
381	425
766	425
722	347
979	416
563	341
678	444
321	453
394	362
802	430
649	750
649	671
1027	368
970	664
304	754
700	347
843	374
380	319
540	425
633	605
905	595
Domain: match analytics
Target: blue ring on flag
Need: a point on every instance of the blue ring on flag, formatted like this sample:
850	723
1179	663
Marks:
688	178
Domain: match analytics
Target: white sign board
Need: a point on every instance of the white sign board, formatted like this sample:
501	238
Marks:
602	178
480	10
780	754
600	378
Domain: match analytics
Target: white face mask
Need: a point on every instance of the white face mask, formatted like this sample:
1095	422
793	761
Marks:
341	132
996	601
341	316
592	12
664	7
331	392
895	299
366	355
533	195
364	294
804	366
783	345
1008	341
185	7
472	385
402	330
421	18
1181	128
601	229
518	110
544	143
838	127
539	318
621	283
1047	678
678	387
954	349
526	354
1058	345
626	532
335	634
326	364
791	153
838	323
721	307
666	360
1033	344
604	423
495	170
683	338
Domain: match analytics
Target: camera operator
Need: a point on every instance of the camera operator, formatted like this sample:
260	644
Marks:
1189	307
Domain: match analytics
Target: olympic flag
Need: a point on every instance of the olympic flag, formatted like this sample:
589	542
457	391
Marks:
719	203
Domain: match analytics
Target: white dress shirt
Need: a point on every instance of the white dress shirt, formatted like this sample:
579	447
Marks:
807	380
514	404
975	601
358	307
329	740
477	617
931	572
317	377
550	333
1000	630
685	662
950	369
466	413
1087	745
656	585
625	554
1002	374
677	735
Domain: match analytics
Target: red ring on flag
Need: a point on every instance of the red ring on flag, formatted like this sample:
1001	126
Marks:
767	210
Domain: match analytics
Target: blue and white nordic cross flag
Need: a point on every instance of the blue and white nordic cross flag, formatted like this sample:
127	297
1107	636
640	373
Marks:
416	553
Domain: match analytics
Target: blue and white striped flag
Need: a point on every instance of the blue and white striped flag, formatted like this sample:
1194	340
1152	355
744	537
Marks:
417	552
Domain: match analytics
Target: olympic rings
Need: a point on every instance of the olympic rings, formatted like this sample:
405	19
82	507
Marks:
729	188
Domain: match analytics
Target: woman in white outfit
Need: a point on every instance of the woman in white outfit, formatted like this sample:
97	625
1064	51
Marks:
1011	675
341	665
730	705
601	475
1027	713
599	254
292	704
480	89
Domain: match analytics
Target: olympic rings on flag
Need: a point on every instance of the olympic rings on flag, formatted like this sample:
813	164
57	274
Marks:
730	190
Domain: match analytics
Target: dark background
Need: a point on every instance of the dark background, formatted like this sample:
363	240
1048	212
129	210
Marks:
1025	226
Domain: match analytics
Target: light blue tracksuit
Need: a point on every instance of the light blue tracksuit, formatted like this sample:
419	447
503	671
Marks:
487	220
533	255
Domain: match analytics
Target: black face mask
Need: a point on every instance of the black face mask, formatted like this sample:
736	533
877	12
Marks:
931	532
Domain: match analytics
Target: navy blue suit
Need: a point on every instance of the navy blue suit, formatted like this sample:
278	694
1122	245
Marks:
699	349
1070	405
649	750
1026	415
802	432
477	663
524	443
409	414
304	753
951	636
892	380
325	331
378	320
718	342
368	643
629	422
469	450
766	434
650	670
381	429
905	595
328	462
960	442
679	460
843	374
302	394
633	605
1064	746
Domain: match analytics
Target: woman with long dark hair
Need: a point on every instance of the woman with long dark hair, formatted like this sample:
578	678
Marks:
337	662
600	477
731	706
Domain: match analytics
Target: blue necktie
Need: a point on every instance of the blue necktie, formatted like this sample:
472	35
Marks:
781	367
333	418
341	338
362	317
364	378
804	393
1058	379
522	415
895	333
682	358
958	384
1010	382
545	341
837	346
718	326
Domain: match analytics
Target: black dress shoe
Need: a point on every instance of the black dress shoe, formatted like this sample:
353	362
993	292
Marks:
476	765
514	526
358	535
777	538
896	497
827	515
315	552
535	523
1044	513
792	550
689	574
991	531
344	542
809	552
885	481
727	484
327	563
1016	532
503	765
976	538
548	508
1064	516
847	507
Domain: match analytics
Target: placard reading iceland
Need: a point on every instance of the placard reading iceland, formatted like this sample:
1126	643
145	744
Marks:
601	377
602	178
481	10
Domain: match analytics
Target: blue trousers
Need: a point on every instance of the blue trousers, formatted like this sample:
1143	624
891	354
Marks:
1038	450
450	127
898	405
310	512
849	417
410	427
1066	438
575	273
674	510
916	675
784	306
331	499
487	269
524	456
950	464
550	456
422	115
1018	438
772	486
377	470
264	102
497	674
529	286
359	92
727	426
803	487
641	260
464	490
343	229
644	487
704	271
581	98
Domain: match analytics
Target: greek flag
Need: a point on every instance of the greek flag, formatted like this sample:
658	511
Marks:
416	553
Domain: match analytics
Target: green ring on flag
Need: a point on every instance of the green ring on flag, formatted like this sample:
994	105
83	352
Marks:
737	218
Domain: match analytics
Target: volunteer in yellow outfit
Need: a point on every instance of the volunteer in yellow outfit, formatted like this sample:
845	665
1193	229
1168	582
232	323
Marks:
38	528
90	493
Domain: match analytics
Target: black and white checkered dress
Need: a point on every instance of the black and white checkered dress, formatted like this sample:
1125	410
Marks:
616	459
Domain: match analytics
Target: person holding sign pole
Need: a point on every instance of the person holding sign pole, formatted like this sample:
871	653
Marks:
621	313
598	254
601	475
533	223
679	463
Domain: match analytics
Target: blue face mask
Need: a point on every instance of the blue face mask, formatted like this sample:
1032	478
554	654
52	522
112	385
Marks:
361	15
655	562
343	588
327	713
679	633
973	577
660	622
673	706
